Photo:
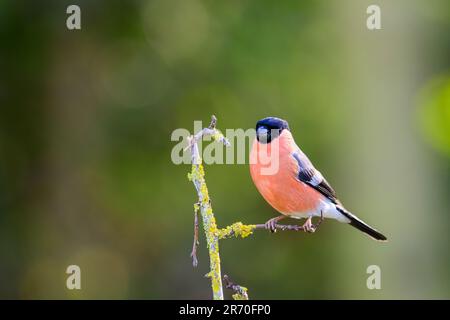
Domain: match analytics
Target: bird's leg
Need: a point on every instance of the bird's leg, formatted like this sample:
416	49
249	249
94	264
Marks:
320	221
308	226
272	223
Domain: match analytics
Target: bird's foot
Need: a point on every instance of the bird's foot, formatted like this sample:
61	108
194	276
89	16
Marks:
308	226
271	224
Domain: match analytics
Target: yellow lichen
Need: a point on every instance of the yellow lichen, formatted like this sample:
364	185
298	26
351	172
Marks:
241	295
217	136
237	229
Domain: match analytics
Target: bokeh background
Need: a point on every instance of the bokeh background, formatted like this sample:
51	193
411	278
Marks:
86	116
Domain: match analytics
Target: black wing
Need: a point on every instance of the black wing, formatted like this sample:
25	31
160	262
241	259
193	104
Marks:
309	175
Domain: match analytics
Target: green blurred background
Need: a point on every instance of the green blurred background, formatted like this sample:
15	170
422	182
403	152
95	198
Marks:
86	116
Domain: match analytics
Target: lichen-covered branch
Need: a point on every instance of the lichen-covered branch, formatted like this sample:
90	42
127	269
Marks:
238	229
197	176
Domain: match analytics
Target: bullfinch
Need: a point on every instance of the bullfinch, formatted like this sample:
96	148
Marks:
288	181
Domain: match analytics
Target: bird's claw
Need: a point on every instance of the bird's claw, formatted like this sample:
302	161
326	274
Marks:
271	225
308	226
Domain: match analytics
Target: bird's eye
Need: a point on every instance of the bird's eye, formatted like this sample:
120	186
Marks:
263	134
262	131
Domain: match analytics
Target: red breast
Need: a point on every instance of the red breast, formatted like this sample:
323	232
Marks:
274	172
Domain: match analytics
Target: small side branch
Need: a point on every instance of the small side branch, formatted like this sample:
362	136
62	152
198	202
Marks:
240	292
196	243
238	229
306	227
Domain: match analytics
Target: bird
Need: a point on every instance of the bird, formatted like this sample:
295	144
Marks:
289	182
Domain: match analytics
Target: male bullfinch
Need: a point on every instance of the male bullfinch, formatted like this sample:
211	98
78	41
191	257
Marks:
288	181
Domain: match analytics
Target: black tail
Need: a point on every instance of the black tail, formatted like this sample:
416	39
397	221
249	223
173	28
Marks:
361	225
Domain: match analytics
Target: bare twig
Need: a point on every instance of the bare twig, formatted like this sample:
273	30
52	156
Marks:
282	227
240	293
196	243
238	229
213	123
291	227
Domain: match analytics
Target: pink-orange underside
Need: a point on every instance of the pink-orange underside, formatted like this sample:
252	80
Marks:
282	190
